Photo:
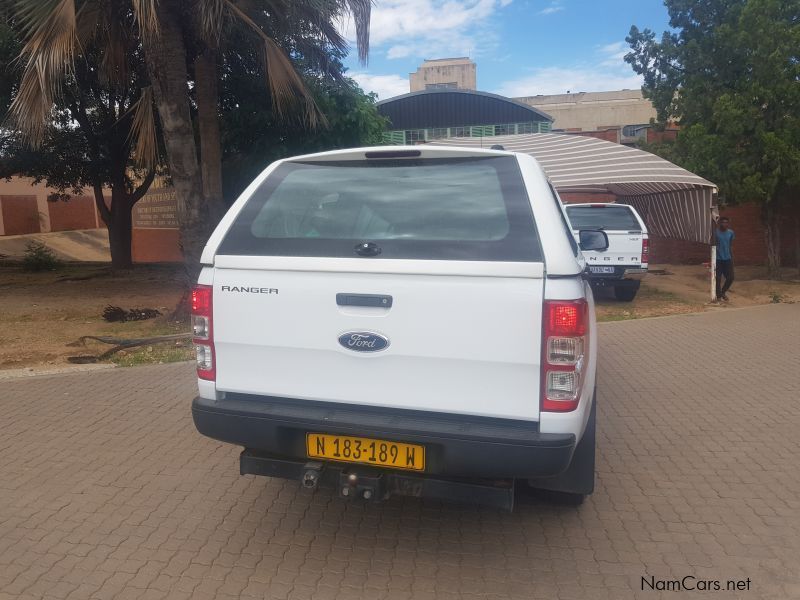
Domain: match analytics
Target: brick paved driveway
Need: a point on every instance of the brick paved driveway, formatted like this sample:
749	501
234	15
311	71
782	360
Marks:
107	491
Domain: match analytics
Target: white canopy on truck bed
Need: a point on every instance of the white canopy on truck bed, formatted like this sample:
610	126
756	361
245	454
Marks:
673	202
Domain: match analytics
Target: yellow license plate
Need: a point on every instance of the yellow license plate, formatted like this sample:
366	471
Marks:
366	451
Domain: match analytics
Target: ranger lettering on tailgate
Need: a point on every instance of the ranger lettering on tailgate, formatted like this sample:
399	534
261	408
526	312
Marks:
251	290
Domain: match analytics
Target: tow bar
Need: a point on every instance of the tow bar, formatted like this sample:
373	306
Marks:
366	483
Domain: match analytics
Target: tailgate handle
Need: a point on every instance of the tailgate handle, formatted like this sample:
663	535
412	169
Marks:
373	300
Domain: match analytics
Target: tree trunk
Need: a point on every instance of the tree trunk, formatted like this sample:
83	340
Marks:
797	238
119	222
166	63
772	233
119	236
207	95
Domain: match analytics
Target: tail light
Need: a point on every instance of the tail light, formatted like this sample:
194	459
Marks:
645	251
564	344
203	331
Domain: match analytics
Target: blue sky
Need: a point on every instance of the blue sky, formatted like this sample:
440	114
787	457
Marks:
521	47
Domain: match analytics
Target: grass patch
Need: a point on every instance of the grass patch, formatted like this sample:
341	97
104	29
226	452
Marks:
649	302
154	355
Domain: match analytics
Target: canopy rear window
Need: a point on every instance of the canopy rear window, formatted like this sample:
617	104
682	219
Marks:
439	209
608	217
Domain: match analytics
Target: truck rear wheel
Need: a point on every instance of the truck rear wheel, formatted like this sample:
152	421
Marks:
626	293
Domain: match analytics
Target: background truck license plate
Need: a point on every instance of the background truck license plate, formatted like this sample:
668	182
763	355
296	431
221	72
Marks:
366	451
601	269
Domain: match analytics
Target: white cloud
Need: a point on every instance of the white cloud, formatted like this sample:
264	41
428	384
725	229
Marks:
608	72
554	7
430	28
614	54
385	86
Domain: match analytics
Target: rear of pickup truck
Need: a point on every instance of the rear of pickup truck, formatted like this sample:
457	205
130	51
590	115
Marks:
624	263
382	320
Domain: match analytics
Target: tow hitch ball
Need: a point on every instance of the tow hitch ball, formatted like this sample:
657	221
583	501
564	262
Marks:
364	487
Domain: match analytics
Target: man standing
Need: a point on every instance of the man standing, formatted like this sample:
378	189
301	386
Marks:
724	236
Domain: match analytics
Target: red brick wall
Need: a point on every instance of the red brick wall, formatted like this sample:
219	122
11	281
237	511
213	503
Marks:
661	136
156	245
20	215
609	135
677	252
749	247
76	213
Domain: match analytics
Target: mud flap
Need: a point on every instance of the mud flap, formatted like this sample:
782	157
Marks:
579	476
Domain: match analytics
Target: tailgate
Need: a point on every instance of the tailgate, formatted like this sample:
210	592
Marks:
456	344
624	249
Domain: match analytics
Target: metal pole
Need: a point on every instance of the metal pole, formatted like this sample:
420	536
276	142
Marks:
713	273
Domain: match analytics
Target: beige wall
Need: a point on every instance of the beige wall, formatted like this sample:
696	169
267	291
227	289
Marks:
461	71
590	111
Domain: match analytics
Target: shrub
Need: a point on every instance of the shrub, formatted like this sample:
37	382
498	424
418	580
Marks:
39	257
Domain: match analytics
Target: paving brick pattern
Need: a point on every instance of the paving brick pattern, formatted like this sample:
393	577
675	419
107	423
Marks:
107	491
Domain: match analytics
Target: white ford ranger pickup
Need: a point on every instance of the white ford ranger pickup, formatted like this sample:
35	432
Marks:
624	263
401	320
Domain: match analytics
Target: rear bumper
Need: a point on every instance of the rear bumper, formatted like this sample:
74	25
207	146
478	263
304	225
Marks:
455	445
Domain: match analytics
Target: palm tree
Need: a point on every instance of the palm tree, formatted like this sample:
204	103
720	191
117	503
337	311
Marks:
83	73
165	27
56	31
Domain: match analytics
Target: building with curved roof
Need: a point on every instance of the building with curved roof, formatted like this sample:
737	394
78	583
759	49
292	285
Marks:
452	113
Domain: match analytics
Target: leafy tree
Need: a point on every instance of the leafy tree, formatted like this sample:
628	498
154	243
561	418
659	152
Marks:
253	134
9	70
93	125
729	75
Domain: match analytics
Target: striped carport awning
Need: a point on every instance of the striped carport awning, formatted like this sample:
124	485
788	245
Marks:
674	202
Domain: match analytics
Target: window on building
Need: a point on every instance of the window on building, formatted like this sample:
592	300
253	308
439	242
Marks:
634	130
437	133
459	132
527	128
449	85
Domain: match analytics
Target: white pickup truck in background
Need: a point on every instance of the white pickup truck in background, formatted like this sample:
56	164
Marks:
401	320
625	262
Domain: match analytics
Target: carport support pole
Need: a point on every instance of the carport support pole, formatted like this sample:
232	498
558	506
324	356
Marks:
713	273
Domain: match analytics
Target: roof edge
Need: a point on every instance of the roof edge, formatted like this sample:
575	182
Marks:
532	109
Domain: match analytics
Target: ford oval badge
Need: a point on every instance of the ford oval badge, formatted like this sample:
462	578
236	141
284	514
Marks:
363	341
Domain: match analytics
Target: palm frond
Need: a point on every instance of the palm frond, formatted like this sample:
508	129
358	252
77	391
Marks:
143	130
146	16
361	11
88	19
31	109
211	14
286	86
49	31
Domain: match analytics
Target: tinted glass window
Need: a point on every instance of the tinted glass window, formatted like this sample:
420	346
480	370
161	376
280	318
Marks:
603	217
457	209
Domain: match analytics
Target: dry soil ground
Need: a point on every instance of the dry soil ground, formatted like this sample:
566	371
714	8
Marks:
40	313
